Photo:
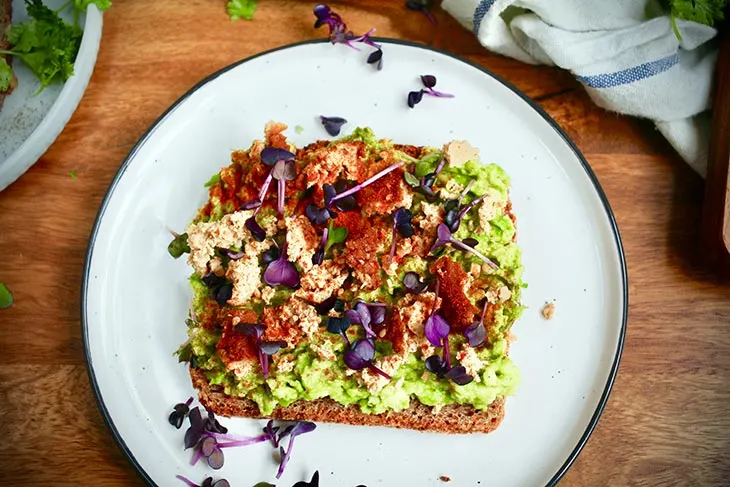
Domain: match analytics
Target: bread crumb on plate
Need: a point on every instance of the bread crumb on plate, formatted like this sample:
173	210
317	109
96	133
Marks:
548	310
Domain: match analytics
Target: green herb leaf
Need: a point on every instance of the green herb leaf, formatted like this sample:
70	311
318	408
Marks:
706	12
184	353
6	75
46	43
214	179
427	164
100	4
6	298
412	180
72	174
179	246
298	129
241	9
335	235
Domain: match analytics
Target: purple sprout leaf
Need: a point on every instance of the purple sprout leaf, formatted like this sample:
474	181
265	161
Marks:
284	171
196	429
376	57
222	483
233	255
471	242
436	329
270	255
360	354
414	98
377	314
332	125
300	428
251	329
443	237
251	204
213	426
318	256
312	483
459	376
428	80
413	283
270	348
281	272
270	432
402	221
317	215
187	481
216	459
437	94
271	155
338	325
476	333
208	445
224	293
257	232
436	365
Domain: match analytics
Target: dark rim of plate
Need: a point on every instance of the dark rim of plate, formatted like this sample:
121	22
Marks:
609	213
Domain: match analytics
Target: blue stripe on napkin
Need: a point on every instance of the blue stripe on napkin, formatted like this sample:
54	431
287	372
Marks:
630	75
480	12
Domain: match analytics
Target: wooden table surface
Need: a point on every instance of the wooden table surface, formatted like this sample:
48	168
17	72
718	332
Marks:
668	419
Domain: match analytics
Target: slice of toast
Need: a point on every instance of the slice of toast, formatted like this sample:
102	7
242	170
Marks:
6	14
449	419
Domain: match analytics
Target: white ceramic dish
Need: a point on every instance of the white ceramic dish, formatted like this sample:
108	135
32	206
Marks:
135	296
31	121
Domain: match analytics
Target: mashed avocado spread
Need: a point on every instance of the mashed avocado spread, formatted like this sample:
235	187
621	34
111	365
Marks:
360	262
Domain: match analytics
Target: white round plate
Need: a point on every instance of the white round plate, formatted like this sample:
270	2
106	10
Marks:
31	121
135	296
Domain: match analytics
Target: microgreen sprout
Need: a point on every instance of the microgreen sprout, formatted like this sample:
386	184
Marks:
264	349
318	256
401	225
281	271
366	314
339	34
283	169
339	326
421	6
328	304
444	237
317	215
360	355
332	198
429	81
179	413
208	482
476	333
412	282
220	289
332	125
299	428
312	483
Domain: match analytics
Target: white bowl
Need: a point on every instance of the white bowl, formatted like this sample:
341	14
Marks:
31	121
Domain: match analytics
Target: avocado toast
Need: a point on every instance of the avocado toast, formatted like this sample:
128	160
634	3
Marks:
355	281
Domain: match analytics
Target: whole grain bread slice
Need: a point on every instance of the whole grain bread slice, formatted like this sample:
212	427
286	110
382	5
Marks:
448	419
6	15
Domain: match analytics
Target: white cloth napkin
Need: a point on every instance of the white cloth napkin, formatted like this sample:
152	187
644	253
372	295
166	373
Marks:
624	52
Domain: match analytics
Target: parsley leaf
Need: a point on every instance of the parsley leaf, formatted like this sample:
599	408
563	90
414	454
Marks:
84	4
335	235
241	9
706	12
6	297
6	75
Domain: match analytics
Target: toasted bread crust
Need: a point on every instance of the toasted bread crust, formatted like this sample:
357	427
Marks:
449	419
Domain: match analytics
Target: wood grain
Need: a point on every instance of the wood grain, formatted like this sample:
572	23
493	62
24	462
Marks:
668	420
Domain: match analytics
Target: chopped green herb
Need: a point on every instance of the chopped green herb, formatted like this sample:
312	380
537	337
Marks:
411	179
241	9
214	179
72	174
298	129
179	246
706	12
6	298
185	353
335	235
6	75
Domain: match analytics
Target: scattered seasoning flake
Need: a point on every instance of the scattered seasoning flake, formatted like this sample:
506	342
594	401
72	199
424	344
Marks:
298	129
445	478
548	311
72	174
6	298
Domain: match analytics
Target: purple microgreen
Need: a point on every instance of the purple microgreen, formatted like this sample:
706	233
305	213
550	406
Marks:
179	413
270	348
459	376
377	313
215	459
312	483
437	94
196	429
402	221
466	190
436	329
476	333
421	6
414	98
360	355
270	433
447	351
376	57
224	293
258	233
208	445
364	317
213	426
332	125
233	255
271	155
270	255
365	183
345	204
468	207
212	280
251	204
187	481
413	284
281	191
428	80
281	272
318	256
471	242
300	428
444	236
317	215
251	329
328	304
339	326
436	365
265	187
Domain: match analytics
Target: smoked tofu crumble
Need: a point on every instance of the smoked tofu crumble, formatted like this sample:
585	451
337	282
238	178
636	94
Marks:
372	273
